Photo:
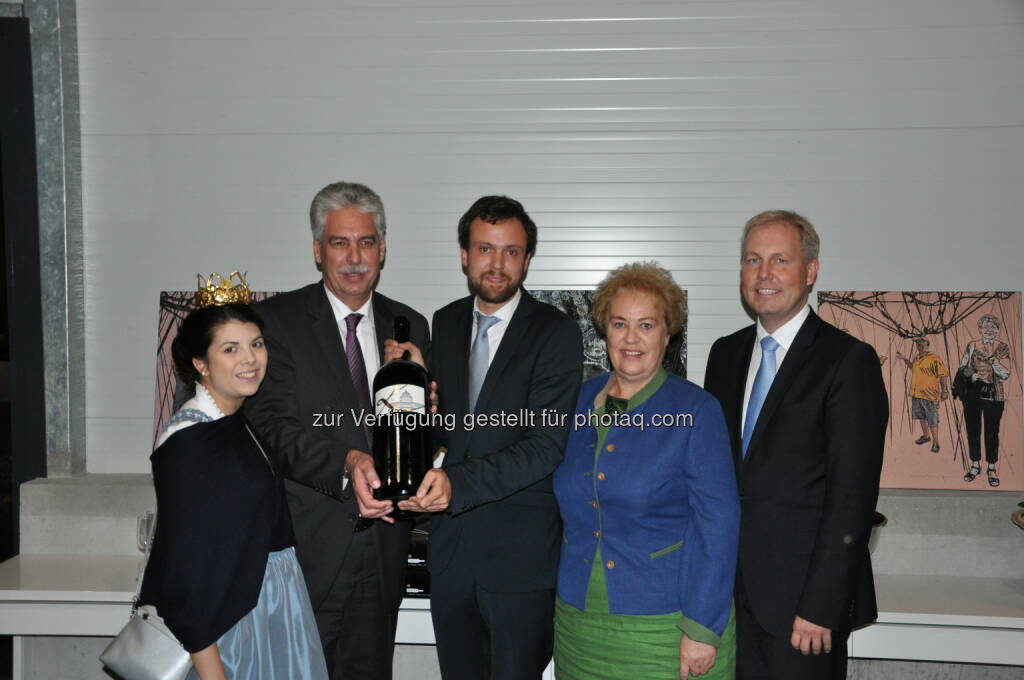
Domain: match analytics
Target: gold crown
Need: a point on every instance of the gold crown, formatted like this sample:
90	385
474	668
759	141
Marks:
218	290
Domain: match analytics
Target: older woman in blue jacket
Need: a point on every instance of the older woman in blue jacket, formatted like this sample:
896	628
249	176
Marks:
648	499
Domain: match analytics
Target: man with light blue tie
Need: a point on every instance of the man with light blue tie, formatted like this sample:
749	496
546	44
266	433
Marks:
807	412
501	360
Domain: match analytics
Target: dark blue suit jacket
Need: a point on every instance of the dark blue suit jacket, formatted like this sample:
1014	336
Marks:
502	522
809	481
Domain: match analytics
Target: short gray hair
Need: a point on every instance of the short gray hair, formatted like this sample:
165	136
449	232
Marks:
991	319
341	195
809	241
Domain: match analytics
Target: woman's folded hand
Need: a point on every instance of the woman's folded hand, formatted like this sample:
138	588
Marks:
695	658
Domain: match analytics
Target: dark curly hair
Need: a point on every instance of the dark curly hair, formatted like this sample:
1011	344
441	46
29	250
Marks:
494	209
195	334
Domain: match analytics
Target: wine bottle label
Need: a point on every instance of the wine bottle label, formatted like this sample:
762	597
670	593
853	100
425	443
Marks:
408	398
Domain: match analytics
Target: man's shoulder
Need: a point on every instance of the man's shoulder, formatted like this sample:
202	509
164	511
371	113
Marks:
843	348
400	309
289	300
548	325
736	339
453	309
545	312
839	339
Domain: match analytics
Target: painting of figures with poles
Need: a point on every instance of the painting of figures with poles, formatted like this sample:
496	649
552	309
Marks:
952	366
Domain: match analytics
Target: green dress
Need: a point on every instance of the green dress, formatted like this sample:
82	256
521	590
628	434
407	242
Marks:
595	644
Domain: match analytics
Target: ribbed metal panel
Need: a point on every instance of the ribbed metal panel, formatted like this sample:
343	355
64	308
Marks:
630	130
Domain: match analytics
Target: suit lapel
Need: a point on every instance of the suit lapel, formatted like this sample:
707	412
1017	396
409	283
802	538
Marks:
738	382
514	334
791	366
325	330
383	323
463	328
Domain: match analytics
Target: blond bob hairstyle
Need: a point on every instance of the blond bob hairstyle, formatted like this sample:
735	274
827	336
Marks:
641	277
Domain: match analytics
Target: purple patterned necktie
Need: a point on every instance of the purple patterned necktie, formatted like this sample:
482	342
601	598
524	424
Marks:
357	369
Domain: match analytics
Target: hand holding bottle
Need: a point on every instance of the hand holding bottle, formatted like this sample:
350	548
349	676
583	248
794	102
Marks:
396	350
402	447
434	494
364	479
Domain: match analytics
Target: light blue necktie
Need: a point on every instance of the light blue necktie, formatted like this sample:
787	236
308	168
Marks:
479	356
762	383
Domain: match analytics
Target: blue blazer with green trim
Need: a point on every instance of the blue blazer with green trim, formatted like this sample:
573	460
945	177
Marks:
660	500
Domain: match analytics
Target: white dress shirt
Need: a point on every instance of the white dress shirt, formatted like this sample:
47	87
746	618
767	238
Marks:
496	332
365	331
784	335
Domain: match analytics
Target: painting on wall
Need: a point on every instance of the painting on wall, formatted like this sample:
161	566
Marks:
951	364
578	305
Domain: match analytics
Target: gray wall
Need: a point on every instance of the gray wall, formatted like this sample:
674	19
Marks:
629	130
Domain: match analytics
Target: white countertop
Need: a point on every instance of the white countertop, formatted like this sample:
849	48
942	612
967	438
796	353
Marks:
950	600
91	594
920	617
69	578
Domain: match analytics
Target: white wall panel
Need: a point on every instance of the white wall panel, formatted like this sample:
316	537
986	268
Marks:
630	130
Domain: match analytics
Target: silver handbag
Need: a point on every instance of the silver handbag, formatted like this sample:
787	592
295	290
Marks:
146	649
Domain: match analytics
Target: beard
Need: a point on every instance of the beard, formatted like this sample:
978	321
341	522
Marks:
491	295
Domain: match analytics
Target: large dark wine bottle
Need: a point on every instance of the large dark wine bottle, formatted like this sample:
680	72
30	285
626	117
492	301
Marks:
402	451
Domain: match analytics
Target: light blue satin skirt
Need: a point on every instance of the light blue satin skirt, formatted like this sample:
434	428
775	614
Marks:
278	638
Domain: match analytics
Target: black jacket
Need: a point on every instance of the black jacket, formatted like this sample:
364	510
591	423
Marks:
308	381
809	481
503	516
221	511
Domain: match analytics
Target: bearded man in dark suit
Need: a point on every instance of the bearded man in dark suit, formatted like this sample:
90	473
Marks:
325	343
494	542
807	410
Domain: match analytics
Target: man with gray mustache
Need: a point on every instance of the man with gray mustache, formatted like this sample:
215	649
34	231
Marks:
326	342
